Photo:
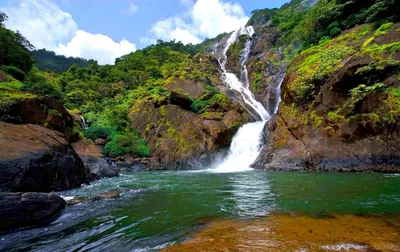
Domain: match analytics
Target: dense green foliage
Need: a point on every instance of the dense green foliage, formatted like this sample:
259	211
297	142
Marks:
329	17
49	61
121	144
98	132
106	95
14	51
302	24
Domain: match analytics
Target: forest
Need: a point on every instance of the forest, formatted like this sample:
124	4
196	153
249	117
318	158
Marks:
104	94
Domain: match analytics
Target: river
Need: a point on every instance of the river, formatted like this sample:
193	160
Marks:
164	208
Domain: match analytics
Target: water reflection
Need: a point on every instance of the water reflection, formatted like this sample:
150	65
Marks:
251	192
173	204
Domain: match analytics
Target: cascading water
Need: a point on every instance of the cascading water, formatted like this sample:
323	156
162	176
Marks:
83	123
245	146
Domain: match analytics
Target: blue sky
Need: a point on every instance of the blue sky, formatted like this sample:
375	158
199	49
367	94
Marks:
106	29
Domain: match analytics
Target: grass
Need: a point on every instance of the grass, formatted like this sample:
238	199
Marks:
7	98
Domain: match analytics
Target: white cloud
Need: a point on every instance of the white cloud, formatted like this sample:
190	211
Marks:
45	25
133	8
42	22
147	41
95	46
205	18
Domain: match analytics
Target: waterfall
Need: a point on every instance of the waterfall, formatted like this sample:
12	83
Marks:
246	144
84	125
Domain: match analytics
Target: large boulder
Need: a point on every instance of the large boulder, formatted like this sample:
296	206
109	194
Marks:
93	159
340	114
23	210
20	107
36	159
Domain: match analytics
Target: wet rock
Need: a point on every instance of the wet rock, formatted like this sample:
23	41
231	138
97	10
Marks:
36	159
24	210
101	196
93	159
131	163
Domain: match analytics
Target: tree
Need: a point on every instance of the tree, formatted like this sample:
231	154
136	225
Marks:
14	48
3	18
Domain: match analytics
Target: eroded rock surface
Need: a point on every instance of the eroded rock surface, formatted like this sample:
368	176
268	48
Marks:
36	159
93	159
180	138
340	108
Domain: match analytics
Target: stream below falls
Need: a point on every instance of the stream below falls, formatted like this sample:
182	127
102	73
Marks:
164	208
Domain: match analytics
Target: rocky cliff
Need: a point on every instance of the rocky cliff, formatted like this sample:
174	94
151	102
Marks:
188	125
340	106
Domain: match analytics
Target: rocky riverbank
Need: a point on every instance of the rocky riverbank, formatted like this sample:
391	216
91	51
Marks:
298	233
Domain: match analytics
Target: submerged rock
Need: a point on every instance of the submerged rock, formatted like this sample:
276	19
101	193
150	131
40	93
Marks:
101	196
24	210
297	233
36	159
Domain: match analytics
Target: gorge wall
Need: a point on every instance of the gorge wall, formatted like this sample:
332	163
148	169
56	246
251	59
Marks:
340	106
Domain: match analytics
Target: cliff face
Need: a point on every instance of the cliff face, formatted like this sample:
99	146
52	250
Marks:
340	106
184	127
180	138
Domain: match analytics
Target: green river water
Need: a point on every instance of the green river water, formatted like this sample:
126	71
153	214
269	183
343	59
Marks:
167	207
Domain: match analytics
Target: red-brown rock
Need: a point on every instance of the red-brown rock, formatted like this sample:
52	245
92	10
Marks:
36	159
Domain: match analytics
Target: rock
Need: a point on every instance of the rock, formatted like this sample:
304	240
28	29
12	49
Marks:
330	129
183	139
29	108
24	210
36	159
131	163
100	196
181	100
79	119
93	159
188	87
100	141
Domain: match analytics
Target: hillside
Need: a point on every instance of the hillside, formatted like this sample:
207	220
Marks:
49	61
168	102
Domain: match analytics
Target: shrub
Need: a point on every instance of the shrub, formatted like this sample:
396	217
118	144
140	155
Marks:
42	83
358	93
335	31
95	132
14	72
127	143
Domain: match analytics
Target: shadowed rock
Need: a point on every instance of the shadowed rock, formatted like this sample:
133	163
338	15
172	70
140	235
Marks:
36	159
24	210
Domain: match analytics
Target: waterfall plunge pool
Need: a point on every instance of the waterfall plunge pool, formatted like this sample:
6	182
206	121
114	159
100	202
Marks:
168	207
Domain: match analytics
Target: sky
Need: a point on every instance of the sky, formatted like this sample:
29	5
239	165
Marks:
106	29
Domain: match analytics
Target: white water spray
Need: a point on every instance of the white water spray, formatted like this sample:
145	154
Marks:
246	144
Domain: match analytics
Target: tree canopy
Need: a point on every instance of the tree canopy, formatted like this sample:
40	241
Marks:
14	48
